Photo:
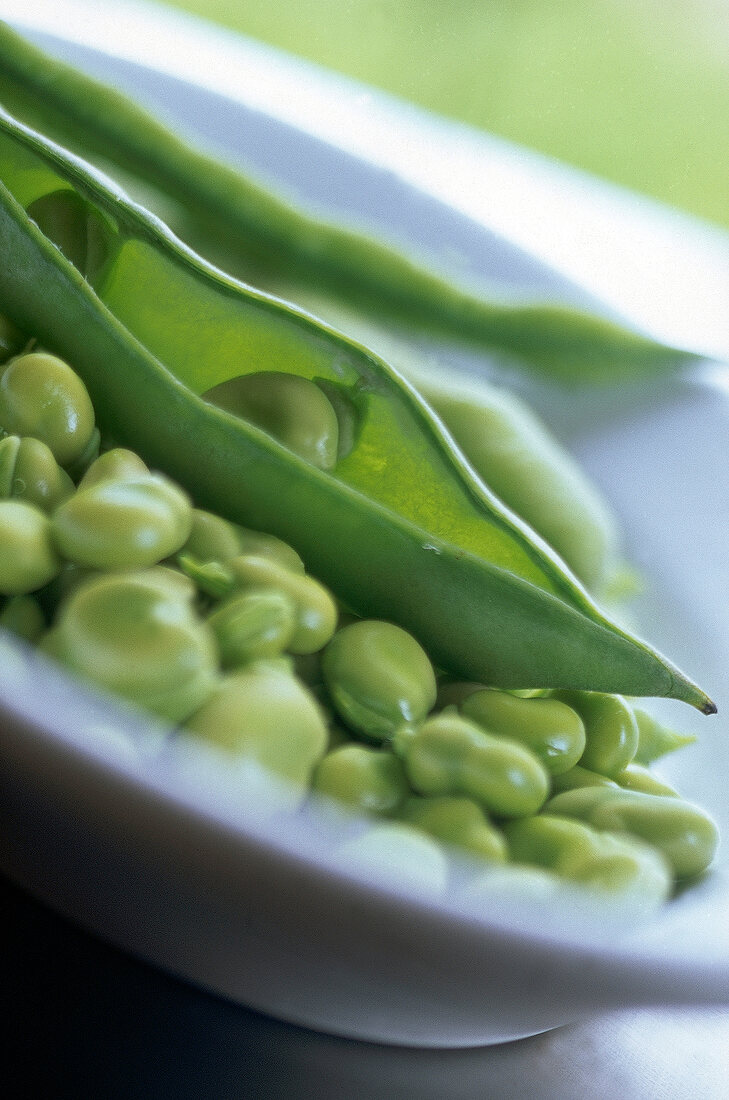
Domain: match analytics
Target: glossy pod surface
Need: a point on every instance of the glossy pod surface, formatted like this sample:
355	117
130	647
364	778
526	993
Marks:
259	227
403	530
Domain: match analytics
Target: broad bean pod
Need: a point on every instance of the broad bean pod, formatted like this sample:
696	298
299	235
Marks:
254	223
400	528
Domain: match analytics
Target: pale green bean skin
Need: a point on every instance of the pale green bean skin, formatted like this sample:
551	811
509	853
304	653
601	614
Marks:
378	677
366	779
254	624
128	524
450	755
684	833
610	728
118	464
134	634
601	861
459	822
211	538
40	396
294	410
29	472
260	545
316	610
577	777
550	729
28	559
637	778
263	714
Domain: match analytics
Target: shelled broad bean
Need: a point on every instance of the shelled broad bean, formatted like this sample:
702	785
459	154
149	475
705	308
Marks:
110	569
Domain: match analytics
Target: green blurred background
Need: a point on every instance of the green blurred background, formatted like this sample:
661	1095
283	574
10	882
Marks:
635	91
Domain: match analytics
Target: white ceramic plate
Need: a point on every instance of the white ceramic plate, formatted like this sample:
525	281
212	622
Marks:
164	852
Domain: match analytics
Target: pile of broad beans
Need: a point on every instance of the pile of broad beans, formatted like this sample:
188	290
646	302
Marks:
110	569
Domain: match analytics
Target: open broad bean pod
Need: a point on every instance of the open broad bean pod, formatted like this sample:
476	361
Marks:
372	494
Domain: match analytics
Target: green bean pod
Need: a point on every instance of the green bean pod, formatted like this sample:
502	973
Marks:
254	224
400	528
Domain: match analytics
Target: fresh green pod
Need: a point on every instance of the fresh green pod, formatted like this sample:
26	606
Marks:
449	755
118	464
131	634
316	611
515	454
550	729
23	616
368	780
262	713
258	623
40	396
655	739
638	778
396	854
127	524
400	528
378	677
601	861
610	728
29	472
258	226
457	821
684	833
28	560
